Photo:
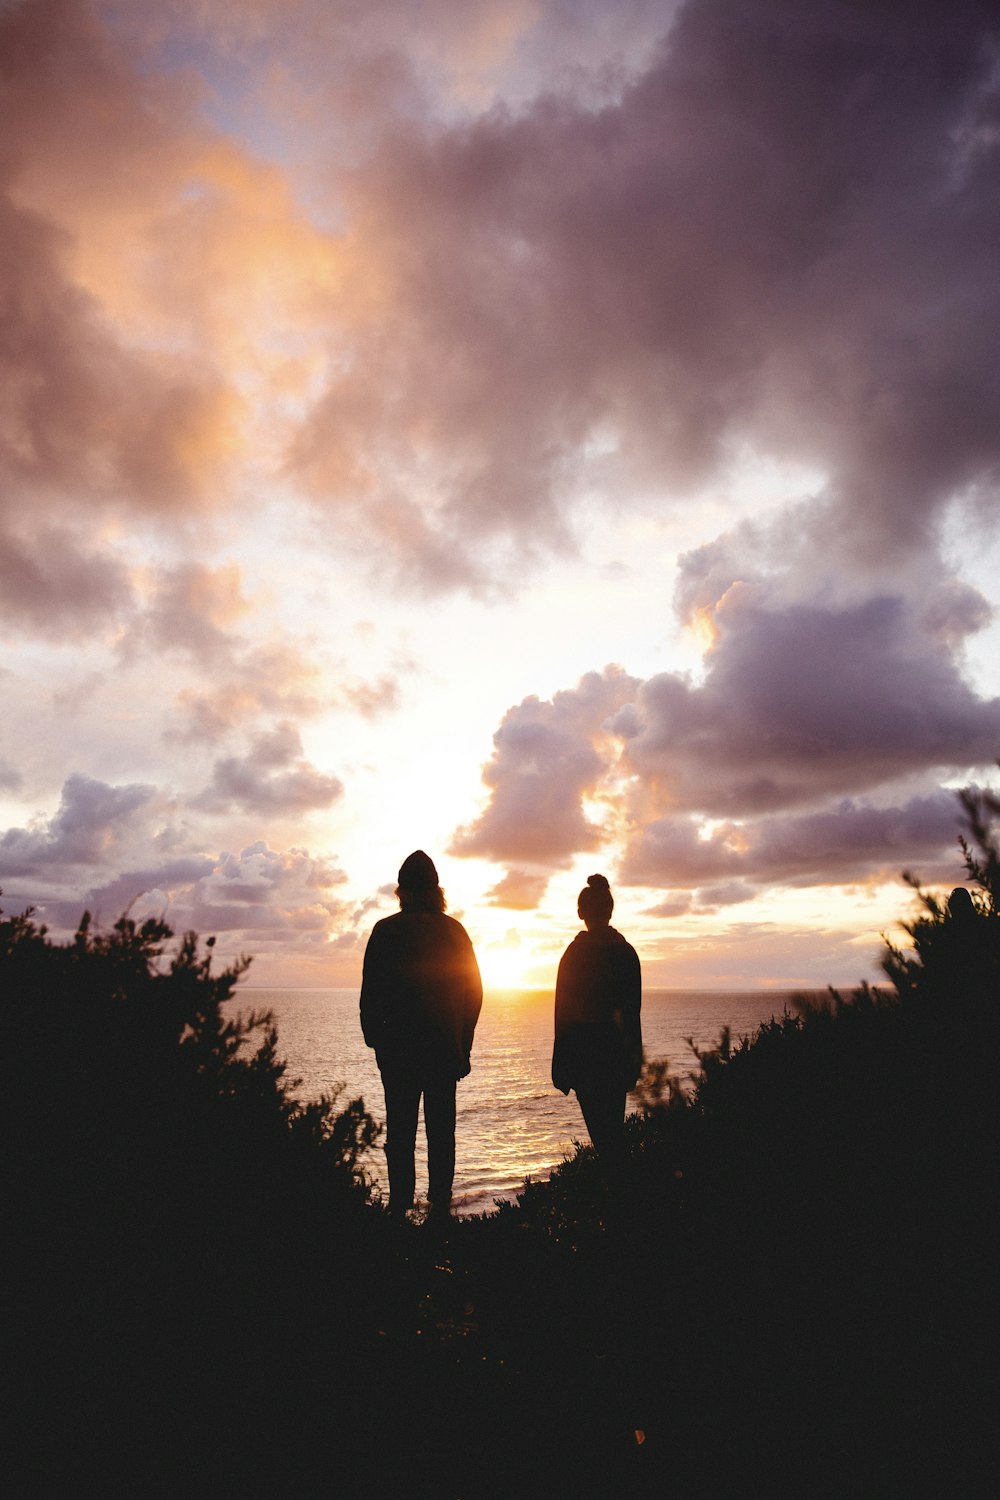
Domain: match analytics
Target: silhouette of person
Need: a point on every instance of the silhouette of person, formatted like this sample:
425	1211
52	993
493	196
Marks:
421	995
964	957
961	907
598	1036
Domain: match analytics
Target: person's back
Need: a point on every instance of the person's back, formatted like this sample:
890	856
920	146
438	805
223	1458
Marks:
598	1036
598	969
421	993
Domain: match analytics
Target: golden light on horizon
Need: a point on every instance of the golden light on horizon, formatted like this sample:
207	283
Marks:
506	965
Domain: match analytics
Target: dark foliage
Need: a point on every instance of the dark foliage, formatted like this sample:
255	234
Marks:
787	1291
790	1290
120	1070
165	1200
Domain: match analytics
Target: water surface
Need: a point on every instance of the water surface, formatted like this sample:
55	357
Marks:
511	1122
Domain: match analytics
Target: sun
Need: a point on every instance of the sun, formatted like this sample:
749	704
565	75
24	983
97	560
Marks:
506	966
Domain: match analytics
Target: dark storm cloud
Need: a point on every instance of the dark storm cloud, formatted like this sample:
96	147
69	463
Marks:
272	778
784	232
547	757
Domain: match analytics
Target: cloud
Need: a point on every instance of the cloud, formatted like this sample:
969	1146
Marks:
109	849
519	890
273	896
526	283
260	899
675	906
803	701
422	290
372	696
93	822
271	779
141	891
547	757
276	676
191	609
851	842
10	778
809	750
159	282
57	586
753	244
82	412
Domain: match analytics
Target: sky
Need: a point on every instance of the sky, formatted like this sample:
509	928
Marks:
560	435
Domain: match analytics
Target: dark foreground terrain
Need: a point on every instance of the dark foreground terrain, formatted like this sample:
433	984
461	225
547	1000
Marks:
787	1291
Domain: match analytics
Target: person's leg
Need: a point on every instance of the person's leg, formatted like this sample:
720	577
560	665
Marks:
603	1110
402	1101
439	1122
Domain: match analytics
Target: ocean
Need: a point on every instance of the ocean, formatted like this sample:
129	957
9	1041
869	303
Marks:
512	1123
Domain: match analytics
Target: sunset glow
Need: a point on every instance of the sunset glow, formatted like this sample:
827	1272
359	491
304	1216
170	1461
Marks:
527	436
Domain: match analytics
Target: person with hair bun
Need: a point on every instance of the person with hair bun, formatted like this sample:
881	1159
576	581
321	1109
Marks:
598	1036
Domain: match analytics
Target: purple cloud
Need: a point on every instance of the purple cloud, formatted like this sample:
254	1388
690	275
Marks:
853	841
547	757
802	702
92	821
271	779
764	771
782	232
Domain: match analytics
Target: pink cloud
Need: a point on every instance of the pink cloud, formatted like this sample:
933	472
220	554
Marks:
272	778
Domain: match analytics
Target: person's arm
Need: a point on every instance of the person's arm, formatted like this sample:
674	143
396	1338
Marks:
473	995
561	1077
631	995
373	986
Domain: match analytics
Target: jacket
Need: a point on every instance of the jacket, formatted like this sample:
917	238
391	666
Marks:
598	1035
421	994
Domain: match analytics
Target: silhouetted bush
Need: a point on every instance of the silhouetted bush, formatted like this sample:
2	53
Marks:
171	1213
785	1293
118	1064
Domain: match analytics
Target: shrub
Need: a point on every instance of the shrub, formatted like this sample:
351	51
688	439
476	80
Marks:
119	1063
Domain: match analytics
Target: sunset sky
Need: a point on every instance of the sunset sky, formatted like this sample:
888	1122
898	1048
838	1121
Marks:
562	435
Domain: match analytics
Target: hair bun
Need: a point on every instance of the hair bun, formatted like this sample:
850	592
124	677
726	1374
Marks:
598	882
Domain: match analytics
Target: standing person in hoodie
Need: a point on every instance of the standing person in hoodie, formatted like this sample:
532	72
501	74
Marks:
598	1042
420	1000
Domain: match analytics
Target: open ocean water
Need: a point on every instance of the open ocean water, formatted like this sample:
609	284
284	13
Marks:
512	1123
